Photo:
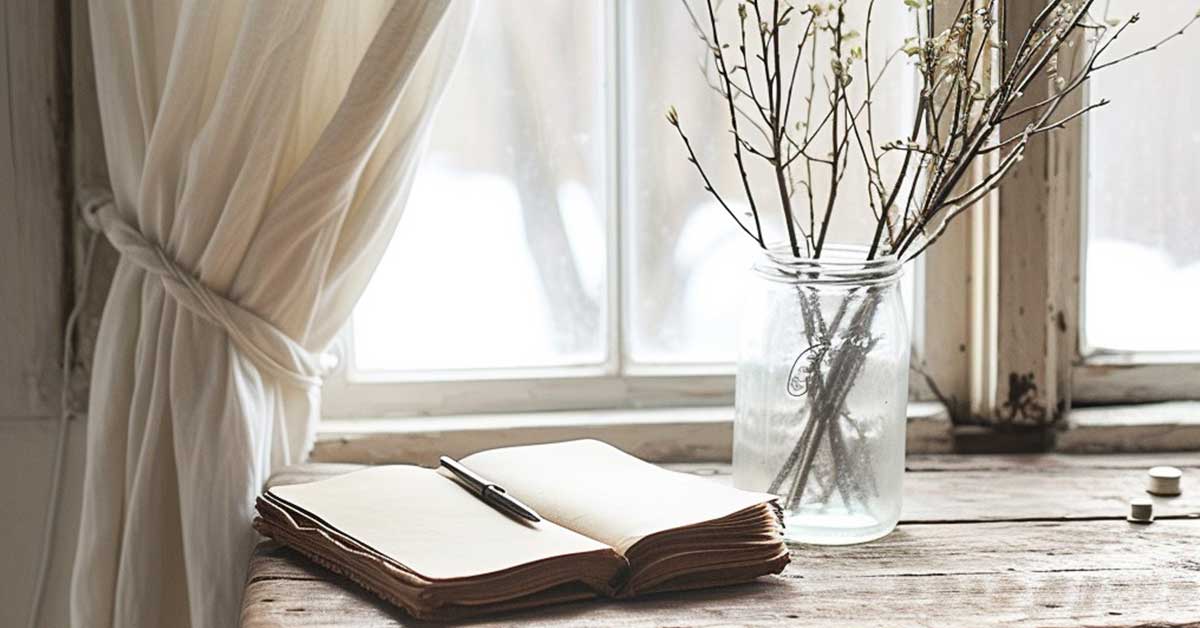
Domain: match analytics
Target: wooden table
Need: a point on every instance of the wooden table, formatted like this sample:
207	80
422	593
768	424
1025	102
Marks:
1035	540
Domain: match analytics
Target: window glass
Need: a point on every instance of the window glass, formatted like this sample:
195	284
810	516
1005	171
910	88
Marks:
687	262
499	258
1142	275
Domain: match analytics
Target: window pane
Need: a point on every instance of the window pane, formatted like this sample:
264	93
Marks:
1142	288
499	259
687	261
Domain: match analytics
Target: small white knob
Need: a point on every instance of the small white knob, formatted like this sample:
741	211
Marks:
1164	481
1141	510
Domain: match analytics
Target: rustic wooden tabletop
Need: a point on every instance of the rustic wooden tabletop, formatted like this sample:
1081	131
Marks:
1031	540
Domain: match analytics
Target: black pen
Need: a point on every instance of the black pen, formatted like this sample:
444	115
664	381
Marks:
492	494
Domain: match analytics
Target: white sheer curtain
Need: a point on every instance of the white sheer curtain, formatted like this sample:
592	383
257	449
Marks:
260	153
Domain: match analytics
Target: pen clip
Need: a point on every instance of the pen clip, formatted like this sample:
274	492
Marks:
468	477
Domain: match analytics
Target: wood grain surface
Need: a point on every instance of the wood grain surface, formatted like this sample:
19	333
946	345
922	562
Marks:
985	541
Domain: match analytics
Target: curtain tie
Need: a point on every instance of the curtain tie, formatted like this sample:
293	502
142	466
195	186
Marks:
255	337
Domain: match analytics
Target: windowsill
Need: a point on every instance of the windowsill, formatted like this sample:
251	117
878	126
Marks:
706	433
660	434
1138	428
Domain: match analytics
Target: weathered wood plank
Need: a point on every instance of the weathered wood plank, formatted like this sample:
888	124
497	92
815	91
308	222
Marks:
1100	380
1048	462
1039	487
90	170
1066	494
984	488
1027	540
1096	573
946	333
664	434
660	434
1169	426
34	199
1038	274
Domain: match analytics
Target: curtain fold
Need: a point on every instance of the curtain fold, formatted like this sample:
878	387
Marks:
259	155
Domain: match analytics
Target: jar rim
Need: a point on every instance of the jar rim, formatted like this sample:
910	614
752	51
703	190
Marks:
844	264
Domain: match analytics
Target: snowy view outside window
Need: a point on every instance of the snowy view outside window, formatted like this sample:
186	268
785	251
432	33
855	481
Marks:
1142	279
501	258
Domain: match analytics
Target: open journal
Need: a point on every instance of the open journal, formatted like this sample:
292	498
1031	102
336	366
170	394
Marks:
611	525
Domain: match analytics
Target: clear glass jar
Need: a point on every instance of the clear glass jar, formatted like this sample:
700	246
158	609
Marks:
822	392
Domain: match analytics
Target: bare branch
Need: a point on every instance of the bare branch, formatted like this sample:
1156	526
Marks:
1178	33
673	119
1042	129
723	71
960	108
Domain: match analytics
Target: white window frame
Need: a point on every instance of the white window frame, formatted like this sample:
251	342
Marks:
941	325
1100	376
1039	308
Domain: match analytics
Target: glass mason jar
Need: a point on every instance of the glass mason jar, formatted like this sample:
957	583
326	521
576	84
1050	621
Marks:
822	392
